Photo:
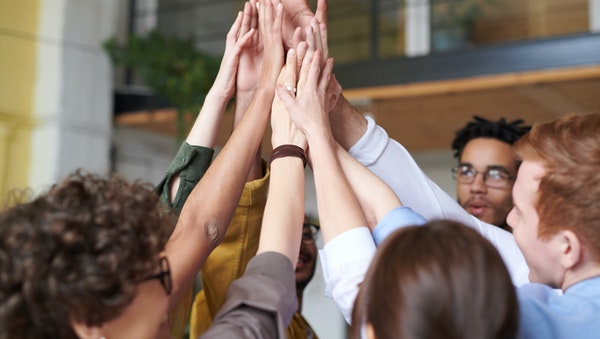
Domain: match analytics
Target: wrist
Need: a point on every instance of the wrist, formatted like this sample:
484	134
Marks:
245	95
287	151
219	97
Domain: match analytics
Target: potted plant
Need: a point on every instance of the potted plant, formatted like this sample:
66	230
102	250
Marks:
172	67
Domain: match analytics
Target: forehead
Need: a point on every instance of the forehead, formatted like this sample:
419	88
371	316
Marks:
484	152
527	183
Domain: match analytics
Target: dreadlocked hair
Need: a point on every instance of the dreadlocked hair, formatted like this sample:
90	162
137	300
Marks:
507	132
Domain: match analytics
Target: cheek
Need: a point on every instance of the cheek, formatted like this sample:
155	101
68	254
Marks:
510	218
500	197
462	192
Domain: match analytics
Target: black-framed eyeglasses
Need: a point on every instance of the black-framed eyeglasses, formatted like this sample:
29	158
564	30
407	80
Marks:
309	233
494	176
164	276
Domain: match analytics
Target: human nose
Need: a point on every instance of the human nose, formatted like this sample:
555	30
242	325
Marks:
478	184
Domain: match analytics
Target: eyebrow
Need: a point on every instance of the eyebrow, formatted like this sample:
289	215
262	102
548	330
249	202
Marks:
490	167
499	168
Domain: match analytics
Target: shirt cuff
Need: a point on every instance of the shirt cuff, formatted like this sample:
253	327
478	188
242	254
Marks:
190	163
371	145
190	154
395	219
351	246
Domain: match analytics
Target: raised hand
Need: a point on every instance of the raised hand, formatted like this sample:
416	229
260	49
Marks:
307	109
298	14
205	128
284	130
316	37
239	37
251	56
270	16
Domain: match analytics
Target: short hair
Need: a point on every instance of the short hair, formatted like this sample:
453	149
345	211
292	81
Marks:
569	191
440	280
507	132
77	252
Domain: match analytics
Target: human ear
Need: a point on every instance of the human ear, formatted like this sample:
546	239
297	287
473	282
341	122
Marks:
570	248
370	331
84	331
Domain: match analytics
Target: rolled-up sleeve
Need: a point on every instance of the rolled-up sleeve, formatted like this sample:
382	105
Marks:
190	163
261	303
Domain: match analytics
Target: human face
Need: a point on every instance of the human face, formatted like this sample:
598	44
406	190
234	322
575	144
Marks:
305	268
488	204
145	317
542	256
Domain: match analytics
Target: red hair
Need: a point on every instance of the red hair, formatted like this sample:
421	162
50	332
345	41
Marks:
569	192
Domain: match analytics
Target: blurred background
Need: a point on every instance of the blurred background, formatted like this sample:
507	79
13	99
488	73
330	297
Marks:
112	85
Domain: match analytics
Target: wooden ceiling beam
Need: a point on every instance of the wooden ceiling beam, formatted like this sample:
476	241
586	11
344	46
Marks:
474	83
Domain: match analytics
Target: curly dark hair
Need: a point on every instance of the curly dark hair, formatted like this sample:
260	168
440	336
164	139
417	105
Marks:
77	252
507	132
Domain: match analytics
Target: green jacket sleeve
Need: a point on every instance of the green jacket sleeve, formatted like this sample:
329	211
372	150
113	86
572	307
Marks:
191	162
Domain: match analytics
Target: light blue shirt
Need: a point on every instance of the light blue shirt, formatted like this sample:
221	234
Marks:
546	314
397	218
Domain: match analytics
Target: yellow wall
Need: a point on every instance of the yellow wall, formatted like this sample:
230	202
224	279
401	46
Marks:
18	34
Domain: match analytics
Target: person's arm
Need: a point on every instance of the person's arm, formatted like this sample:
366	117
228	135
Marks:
261	303
228	261
209	208
375	197
299	14
339	211
370	145
196	152
247	80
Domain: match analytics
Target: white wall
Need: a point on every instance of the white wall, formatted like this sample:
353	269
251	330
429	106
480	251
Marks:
73	100
142	155
594	15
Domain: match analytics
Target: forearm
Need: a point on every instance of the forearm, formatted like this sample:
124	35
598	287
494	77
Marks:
391	162
228	260
242	102
203	133
209	209
206	127
190	163
347	124
284	211
338	207
375	197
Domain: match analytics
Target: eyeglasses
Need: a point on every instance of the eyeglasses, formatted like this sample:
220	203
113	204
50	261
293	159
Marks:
164	276
309	232
496	177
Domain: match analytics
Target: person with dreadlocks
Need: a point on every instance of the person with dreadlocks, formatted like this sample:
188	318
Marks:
485	147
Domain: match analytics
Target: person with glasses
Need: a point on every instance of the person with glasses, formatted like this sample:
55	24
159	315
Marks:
280	231
307	260
487	167
83	259
228	261
86	260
